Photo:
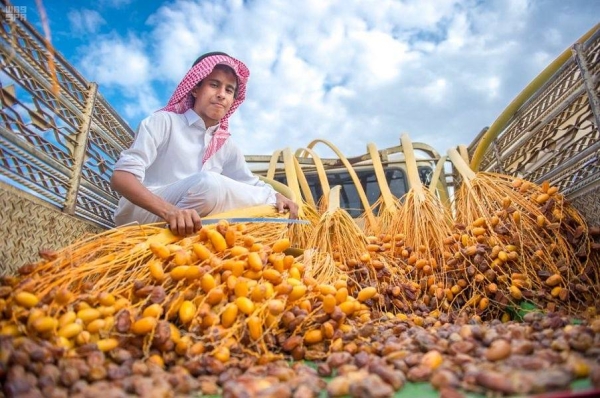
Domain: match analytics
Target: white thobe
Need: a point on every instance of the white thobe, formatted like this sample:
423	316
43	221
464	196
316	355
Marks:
166	156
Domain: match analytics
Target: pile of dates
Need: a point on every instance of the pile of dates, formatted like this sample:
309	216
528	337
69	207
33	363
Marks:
456	355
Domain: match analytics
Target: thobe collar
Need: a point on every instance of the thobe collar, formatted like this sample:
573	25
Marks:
193	119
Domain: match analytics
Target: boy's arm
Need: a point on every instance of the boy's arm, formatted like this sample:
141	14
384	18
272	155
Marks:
181	221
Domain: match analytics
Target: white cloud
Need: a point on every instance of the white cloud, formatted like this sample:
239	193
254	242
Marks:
115	3
552	36
117	61
435	91
492	85
85	21
181	32
121	65
381	54
141	103
458	33
350	71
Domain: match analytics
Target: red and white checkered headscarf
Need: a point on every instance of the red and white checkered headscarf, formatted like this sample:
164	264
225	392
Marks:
182	99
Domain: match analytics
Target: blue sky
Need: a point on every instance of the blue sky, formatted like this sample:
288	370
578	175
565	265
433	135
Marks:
350	71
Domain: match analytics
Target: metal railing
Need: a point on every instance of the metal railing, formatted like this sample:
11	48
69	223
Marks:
59	138
554	136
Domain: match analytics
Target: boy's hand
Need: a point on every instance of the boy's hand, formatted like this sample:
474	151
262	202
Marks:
183	222
284	203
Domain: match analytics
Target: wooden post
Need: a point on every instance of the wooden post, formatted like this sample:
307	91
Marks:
78	151
589	82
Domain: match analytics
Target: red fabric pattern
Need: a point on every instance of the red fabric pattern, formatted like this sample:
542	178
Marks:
182	99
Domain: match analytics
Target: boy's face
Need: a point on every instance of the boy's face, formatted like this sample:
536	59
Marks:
214	97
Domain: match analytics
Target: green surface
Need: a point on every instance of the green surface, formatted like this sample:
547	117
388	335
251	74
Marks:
526	307
419	390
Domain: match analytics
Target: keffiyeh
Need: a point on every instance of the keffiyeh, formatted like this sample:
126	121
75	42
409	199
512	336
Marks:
182	99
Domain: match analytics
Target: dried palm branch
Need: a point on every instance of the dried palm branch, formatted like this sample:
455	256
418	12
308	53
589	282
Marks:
321	173
370	216
424	223
298	233
527	234
387	203
336	237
